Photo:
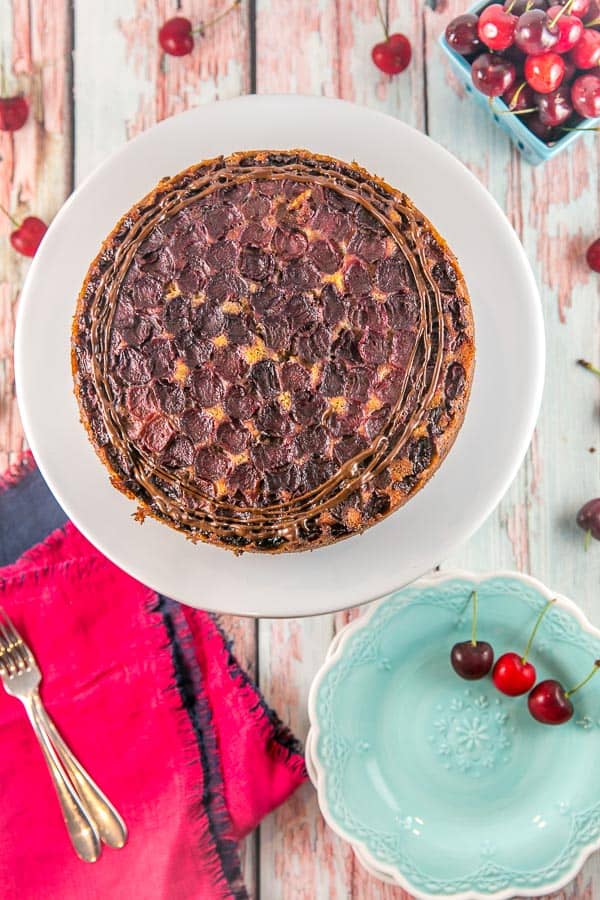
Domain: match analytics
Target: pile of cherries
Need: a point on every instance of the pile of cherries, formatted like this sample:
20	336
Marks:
514	675
542	57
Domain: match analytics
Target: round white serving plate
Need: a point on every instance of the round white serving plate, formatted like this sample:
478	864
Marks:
488	451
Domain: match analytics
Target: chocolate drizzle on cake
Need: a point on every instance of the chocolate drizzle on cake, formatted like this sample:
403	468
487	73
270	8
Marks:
264	351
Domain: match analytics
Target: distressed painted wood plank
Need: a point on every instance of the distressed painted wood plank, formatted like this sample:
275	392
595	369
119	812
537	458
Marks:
299	856
554	209
34	162
123	85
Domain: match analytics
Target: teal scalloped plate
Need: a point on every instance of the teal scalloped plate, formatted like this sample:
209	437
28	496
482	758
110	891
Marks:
447	787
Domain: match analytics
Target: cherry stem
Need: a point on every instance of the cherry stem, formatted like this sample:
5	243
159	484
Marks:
383	21
516	112
587	540
8	216
585	680
535	628
474	626
512	3
579	129
588	365
204	25
516	95
593	24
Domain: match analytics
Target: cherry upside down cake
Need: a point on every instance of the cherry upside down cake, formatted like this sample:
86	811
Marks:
272	351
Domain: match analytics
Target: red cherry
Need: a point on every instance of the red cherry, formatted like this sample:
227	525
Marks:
175	36
512	674
28	236
554	109
570	28
461	34
492	75
586	52
593	260
519	97
13	113
550	704
496	27
579	8
544	72
392	55
588	516
585	95
593	13
535	33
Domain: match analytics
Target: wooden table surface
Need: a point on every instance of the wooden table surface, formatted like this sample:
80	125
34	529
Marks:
96	77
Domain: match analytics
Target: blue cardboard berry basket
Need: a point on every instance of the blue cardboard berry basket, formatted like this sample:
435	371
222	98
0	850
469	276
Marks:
534	150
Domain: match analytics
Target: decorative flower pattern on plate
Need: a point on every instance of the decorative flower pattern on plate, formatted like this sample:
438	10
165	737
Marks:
472	735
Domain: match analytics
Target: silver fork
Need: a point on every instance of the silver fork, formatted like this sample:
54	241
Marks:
88	814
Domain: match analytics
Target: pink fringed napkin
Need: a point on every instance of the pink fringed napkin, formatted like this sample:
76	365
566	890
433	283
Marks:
151	700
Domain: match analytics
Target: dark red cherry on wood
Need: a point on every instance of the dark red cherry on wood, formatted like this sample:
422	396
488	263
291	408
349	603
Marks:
513	674
550	704
13	113
588	516
27	237
393	55
175	36
593	260
472	659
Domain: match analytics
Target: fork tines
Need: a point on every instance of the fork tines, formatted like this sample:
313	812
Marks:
15	655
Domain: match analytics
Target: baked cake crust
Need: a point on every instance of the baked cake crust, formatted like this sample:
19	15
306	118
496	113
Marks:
272	351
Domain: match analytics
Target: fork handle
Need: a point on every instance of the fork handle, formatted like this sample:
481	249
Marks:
109	823
82	830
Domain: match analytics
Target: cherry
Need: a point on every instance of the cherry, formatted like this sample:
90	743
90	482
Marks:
588	516
586	52
519	98
554	109
28	234
518	7
544	132
461	34
544	72
585	96
593	260
472	659
592	16
497	27
570	70
570	29
550	704
492	75
535	33
176	36
512	674
577	7
13	113
392	55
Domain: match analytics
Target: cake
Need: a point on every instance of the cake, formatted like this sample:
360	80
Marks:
272	351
